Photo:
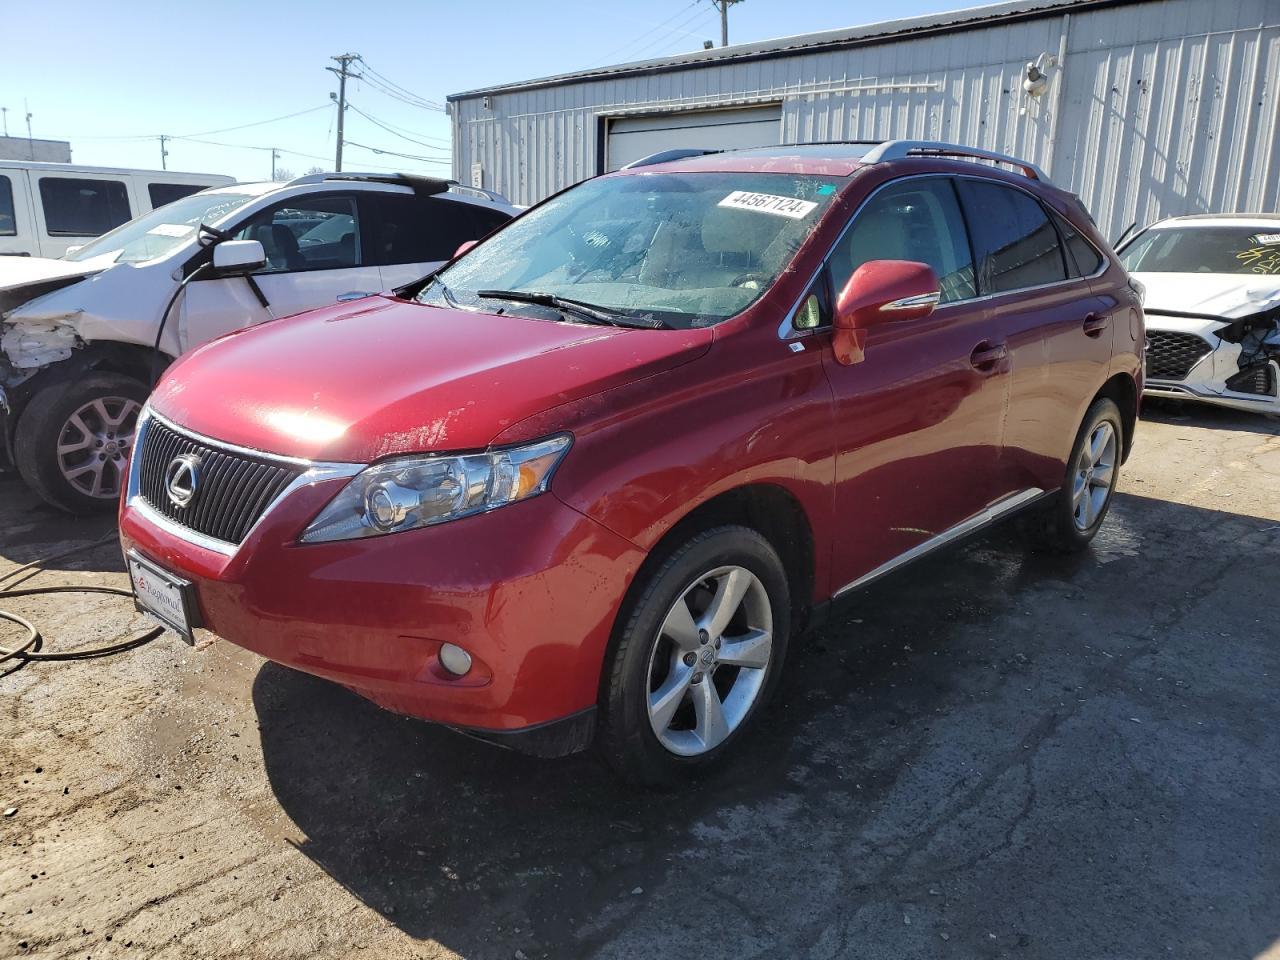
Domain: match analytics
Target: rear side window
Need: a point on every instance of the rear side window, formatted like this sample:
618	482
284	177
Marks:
83	208
1013	240
8	223
162	193
917	219
1082	259
420	229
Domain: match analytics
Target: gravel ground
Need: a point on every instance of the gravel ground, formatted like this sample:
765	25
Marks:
994	755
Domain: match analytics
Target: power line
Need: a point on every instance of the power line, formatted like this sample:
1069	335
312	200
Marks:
608	57
392	153
378	123
204	133
374	77
699	16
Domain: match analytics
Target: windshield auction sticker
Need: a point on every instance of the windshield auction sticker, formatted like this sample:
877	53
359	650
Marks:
788	207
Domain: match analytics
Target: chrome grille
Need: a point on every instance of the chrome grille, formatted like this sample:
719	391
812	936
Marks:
233	490
1170	356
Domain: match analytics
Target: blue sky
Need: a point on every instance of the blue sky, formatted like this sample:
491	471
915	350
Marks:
106	76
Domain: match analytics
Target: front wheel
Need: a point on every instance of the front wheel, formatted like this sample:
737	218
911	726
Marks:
1069	520
698	657
73	440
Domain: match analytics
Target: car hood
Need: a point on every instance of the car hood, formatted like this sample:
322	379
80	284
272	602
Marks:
361	381
1222	295
25	278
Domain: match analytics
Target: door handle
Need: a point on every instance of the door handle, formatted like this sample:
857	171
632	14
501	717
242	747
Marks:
1095	323
354	295
986	355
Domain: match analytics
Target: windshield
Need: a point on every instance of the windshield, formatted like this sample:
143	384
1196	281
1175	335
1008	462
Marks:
162	230
688	249
1226	249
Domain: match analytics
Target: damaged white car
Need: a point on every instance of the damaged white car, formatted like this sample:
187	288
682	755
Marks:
83	339
1213	308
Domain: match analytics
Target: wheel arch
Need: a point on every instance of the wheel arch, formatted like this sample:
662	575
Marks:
768	508
1123	392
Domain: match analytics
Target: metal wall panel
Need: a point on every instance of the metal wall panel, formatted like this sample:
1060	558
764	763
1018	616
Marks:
1159	108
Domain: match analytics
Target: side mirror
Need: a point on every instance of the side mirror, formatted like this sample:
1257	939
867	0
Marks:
467	245
239	256
882	291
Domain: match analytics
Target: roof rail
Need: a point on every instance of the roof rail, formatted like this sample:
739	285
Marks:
666	156
423	186
901	149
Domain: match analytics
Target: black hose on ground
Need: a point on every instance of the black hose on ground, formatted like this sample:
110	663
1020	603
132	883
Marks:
29	649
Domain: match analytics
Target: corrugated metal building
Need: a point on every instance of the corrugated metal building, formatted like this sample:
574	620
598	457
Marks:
1152	107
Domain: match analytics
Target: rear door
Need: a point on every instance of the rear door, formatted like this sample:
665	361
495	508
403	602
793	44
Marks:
918	421
17	228
409	236
74	207
1055	328
315	256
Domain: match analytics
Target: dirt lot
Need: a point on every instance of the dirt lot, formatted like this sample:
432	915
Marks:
996	755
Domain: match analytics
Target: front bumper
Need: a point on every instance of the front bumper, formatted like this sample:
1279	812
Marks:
530	591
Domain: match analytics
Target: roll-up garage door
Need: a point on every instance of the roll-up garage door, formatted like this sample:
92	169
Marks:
631	138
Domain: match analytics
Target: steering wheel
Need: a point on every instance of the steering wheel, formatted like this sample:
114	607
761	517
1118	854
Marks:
752	280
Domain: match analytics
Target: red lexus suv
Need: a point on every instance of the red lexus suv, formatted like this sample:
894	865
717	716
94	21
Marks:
585	483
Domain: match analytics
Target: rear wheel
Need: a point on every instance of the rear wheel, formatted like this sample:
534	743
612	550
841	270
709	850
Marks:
1070	519
698	657
73	440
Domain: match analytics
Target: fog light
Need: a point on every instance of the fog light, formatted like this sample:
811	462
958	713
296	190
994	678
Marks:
454	659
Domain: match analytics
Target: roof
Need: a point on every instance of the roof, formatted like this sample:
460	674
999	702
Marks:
881	32
119	171
838	159
1214	219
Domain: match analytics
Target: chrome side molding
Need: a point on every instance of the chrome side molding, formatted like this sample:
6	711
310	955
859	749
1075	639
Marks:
979	520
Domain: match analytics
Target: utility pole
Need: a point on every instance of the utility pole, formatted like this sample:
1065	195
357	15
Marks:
343	70
31	147
163	152
274	155
723	6
5	112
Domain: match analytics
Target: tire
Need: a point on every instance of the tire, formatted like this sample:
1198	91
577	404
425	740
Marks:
657	649
74	438
1069	520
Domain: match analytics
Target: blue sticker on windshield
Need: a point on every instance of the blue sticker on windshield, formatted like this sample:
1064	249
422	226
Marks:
826	189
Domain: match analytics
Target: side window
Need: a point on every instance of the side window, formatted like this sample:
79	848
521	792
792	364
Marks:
310	233
1016	245
162	193
83	208
486	220
1085	260
421	229
917	219
8	222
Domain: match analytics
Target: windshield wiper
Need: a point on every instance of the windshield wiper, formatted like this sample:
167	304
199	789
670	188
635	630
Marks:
578	308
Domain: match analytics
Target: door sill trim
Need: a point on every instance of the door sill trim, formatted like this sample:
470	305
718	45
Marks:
974	523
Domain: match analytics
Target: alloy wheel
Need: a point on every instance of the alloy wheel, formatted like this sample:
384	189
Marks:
1094	476
708	663
94	445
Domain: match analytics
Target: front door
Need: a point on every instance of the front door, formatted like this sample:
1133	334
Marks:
919	419
314	256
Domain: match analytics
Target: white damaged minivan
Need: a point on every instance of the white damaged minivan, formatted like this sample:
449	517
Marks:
83	339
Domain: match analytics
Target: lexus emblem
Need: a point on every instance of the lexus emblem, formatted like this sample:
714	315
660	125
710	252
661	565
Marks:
181	478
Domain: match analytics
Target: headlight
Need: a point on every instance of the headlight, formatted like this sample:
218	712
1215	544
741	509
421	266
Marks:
418	491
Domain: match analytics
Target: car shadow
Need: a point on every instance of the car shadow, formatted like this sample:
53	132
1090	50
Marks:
31	531
1171	411
993	750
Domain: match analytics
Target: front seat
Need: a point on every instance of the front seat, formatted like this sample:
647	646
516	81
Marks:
280	245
